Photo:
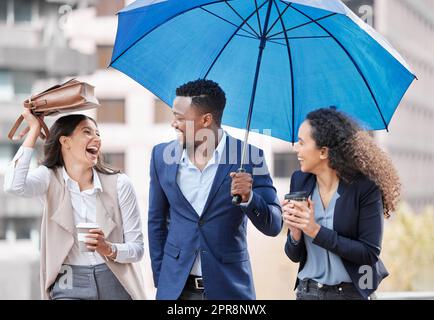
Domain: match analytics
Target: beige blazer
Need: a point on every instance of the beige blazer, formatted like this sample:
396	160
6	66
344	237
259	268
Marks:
58	234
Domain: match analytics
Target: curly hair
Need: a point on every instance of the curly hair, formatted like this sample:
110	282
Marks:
206	95
353	151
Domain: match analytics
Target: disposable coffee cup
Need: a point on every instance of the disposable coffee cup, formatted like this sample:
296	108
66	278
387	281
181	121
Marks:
297	196
82	232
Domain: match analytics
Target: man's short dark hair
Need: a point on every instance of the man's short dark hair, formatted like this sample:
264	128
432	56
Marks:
206	95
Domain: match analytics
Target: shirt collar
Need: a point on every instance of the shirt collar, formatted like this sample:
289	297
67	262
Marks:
72	184
217	155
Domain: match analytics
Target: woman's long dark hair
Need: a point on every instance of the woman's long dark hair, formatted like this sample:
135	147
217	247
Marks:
65	126
353	151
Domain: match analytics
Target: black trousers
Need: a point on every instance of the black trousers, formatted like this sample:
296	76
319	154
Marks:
193	289
311	290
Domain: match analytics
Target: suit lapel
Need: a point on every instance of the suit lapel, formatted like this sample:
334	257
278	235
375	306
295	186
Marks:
172	170
225	167
342	189
64	214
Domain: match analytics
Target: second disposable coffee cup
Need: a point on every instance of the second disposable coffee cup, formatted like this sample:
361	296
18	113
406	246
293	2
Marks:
82	232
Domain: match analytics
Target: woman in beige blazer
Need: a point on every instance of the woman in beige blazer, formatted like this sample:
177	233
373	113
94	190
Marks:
76	188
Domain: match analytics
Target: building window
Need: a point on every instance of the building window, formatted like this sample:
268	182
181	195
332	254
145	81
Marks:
19	11
8	151
23	83
3	11
162	113
23	11
285	163
6	86
116	160
109	8
17	228
104	54
6	155
111	111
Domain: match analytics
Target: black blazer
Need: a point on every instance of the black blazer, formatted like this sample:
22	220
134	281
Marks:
357	235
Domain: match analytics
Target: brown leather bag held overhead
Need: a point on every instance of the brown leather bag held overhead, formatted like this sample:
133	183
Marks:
70	96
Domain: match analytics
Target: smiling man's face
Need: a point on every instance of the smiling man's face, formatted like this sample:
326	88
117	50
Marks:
184	112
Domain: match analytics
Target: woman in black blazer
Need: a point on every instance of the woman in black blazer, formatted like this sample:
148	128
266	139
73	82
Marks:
336	234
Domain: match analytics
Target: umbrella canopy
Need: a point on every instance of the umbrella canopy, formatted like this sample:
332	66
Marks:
277	59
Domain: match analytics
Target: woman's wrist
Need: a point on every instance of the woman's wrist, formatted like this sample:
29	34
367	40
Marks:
112	249
313	232
35	127
32	136
296	236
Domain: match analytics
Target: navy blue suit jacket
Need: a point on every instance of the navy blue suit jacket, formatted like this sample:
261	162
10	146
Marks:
357	234
177	234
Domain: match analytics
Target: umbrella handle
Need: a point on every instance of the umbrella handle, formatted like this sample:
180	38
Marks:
236	199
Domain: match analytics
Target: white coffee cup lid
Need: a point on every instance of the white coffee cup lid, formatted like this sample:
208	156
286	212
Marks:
87	225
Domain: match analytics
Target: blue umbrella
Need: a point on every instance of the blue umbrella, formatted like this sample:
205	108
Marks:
276	60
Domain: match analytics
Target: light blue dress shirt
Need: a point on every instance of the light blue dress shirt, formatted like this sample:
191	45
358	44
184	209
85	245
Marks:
322	265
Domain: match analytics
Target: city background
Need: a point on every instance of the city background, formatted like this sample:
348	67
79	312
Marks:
45	42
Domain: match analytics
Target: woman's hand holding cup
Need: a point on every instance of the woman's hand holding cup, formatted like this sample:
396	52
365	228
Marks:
299	215
287	212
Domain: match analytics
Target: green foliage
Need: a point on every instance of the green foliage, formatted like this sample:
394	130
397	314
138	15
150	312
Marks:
408	250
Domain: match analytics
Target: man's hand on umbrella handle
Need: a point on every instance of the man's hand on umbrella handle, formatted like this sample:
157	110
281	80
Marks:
242	184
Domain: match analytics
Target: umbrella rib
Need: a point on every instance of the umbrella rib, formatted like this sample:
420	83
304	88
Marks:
259	19
288	47
231	23
229	40
245	20
304	24
295	38
277	20
354	63
275	42
269	41
159	25
244	36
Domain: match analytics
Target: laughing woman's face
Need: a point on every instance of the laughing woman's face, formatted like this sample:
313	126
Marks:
311	157
84	144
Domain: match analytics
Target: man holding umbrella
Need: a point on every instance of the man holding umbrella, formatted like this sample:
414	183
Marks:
197	236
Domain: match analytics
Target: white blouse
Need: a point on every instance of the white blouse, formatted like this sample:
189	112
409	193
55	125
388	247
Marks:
19	181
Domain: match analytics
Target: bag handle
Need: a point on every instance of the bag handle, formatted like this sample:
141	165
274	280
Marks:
43	135
20	120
